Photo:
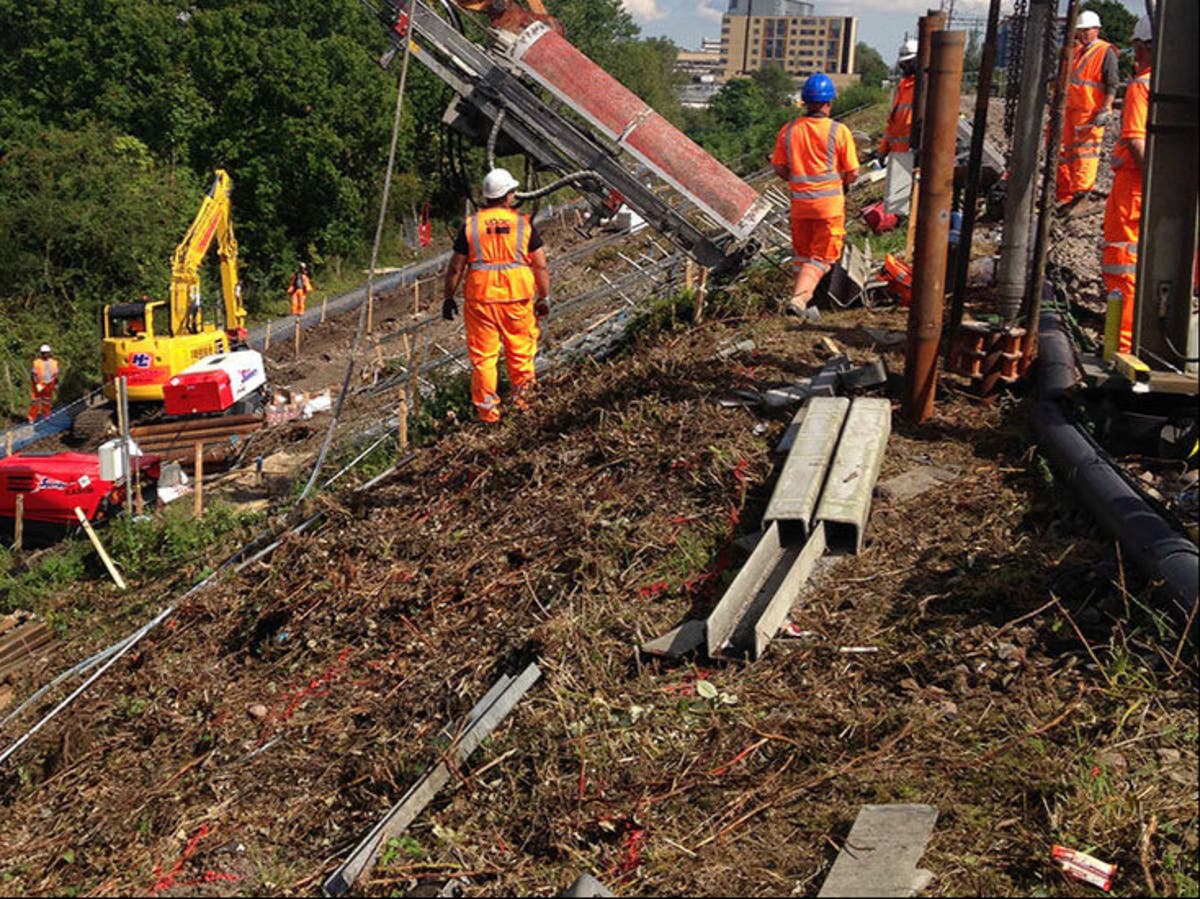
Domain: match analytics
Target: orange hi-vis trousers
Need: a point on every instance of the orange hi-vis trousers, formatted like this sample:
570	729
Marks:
816	246
490	325
42	403
1122	223
1078	155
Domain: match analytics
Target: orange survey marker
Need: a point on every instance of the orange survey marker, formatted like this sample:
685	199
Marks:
1083	867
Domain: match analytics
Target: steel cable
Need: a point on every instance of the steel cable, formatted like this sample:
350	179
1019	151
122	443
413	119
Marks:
363	310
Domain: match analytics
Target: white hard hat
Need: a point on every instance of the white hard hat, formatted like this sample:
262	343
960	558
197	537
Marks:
45	348
1142	31
1087	19
497	183
908	50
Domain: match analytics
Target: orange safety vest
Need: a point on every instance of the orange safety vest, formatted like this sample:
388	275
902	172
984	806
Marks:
897	134
45	371
1134	112
1087	89
818	150
498	269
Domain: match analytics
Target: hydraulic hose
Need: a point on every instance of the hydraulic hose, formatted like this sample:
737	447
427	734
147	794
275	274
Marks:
1161	553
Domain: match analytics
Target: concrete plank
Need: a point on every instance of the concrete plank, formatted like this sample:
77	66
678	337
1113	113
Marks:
880	856
846	500
794	499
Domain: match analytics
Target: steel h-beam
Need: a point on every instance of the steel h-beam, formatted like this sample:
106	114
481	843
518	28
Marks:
1165	326
487	87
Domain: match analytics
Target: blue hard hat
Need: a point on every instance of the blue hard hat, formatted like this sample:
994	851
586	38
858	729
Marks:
818	89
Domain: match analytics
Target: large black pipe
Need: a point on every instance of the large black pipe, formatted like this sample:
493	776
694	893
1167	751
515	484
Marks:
1147	539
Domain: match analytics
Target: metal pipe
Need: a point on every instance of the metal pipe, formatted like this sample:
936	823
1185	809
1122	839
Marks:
926	27
1031	307
983	90
933	225
1022	169
1146	538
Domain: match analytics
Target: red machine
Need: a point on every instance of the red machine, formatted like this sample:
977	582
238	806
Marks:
55	484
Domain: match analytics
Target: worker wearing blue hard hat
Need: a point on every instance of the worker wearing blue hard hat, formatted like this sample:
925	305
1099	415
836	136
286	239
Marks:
817	157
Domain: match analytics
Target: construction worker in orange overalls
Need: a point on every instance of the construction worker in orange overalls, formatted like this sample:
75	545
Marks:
1123	212
507	290
43	384
817	157
1090	95
897	133
299	288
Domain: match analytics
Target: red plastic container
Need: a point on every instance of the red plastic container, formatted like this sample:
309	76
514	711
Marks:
878	220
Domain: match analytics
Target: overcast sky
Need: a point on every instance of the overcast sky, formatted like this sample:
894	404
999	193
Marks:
881	23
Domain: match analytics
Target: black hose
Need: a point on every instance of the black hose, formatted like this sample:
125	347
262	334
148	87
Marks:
1161	553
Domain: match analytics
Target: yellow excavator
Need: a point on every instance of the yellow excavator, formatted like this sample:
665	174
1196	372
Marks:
149	342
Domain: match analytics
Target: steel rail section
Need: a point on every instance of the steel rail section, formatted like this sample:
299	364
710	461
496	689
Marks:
794	501
754	606
846	500
479	724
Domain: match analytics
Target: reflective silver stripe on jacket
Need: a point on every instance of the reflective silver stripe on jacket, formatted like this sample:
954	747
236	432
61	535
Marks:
477	264
824	179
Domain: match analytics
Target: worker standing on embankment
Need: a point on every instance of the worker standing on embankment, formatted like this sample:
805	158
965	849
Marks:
817	157
897	134
299	288
1123	212
507	290
43	383
1090	95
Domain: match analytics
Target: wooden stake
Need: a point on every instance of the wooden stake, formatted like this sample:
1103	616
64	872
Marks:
701	291
324	303
688	276
104	557
402	440
910	239
370	310
139	505
416	298
267	339
378	362
8	443
198	481
296	338
19	523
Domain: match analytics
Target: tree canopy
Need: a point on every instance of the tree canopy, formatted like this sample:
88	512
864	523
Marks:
869	65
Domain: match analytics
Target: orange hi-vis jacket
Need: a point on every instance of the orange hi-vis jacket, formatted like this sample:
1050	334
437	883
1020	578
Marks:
1086	90
897	135
1123	211
45	371
498	269
817	151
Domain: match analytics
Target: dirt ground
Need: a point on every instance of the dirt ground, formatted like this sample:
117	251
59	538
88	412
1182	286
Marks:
251	743
986	653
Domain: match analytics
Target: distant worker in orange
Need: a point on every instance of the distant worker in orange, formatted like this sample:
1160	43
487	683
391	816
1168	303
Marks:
507	289
1090	95
896	134
299	288
817	157
43	384
1123	212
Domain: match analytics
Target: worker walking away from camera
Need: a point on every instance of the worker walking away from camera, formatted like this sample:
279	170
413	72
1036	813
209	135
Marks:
1090	94
897	132
43	384
1123	211
299	288
506	291
816	156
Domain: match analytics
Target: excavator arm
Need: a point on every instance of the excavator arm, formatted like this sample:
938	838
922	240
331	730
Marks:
212	221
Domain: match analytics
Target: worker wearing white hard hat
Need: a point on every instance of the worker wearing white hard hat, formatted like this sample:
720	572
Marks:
43	383
1123	211
506	291
897	131
1090	95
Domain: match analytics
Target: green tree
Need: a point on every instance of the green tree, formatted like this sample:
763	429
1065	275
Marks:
738	105
777	86
869	65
